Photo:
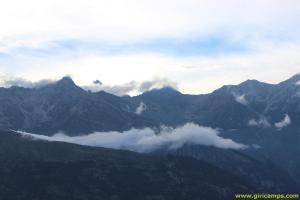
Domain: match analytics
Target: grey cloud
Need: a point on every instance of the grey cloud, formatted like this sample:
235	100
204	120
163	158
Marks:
262	122
145	140
20	82
97	82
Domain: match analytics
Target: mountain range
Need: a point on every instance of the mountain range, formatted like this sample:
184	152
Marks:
63	106
265	117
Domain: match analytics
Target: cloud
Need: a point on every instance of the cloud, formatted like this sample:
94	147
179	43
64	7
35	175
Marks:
262	122
298	83
97	82
255	146
119	90
142	20
240	99
208	72
73	37
132	87
8	81
156	84
145	140
284	123
141	108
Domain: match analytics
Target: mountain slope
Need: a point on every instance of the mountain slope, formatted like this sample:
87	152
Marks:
261	172
34	169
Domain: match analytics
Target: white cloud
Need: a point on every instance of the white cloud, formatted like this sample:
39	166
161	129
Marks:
241	99
268	29
9	81
131	20
141	108
145	140
262	122
156	83
133	87
298	83
38	23
119	90
285	122
121	69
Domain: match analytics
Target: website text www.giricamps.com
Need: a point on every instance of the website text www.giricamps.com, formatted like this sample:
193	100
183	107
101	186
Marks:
266	196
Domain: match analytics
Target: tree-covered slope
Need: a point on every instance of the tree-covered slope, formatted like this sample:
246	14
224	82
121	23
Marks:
35	170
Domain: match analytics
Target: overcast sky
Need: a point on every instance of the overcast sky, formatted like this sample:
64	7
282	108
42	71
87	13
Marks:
198	44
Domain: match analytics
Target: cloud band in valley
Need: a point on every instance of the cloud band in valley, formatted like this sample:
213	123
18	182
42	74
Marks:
146	140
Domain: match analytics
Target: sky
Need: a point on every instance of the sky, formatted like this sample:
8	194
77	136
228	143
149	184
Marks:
197	45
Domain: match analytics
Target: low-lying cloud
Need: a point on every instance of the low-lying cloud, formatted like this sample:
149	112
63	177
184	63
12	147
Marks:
262	122
157	83
119	90
283	123
141	108
240	99
145	140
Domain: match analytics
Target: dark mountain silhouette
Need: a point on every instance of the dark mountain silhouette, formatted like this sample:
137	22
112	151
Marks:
35	169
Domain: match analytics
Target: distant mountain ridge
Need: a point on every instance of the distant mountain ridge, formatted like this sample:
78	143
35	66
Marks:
63	106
